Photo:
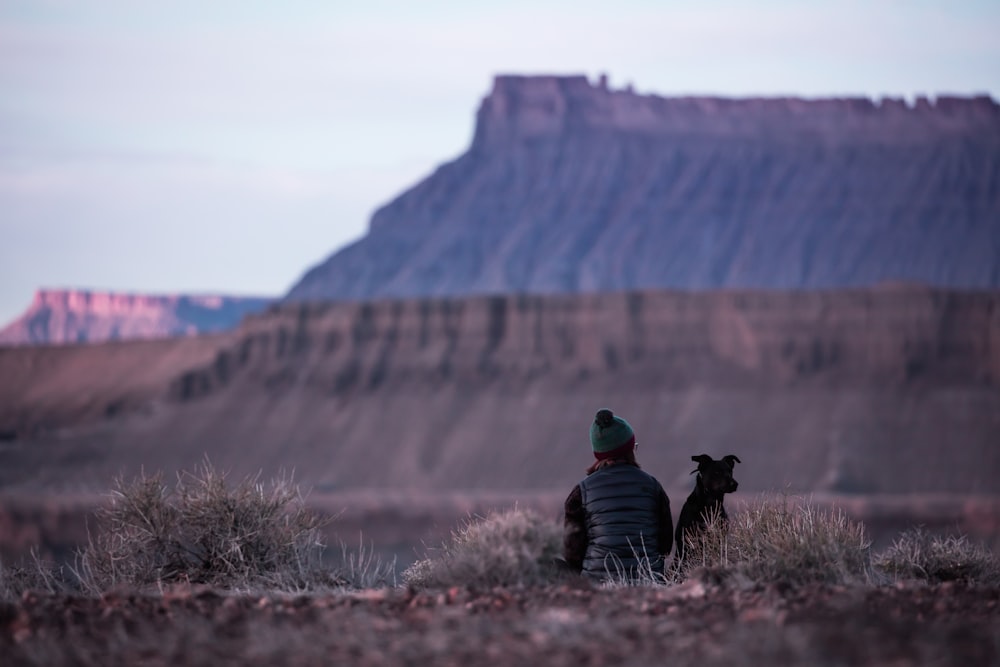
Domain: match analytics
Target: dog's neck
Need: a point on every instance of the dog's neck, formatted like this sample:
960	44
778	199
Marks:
705	497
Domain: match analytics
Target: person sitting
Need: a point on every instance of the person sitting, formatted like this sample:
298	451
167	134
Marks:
617	519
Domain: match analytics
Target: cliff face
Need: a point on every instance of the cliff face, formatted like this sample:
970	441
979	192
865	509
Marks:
892	390
571	187
889	337
77	316
887	390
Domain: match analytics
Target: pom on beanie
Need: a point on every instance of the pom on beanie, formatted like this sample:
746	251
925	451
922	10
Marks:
610	436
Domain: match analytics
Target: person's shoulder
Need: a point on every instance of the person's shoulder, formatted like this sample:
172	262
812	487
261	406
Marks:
650	477
639	472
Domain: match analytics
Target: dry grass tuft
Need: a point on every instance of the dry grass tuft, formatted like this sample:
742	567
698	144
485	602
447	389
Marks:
33	575
777	540
204	531
244	537
502	549
918	555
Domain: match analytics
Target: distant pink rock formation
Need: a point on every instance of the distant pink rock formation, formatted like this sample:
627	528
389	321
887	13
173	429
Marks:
83	316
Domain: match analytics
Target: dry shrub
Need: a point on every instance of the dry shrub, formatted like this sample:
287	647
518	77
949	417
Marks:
778	540
204	531
33	575
502	549
918	555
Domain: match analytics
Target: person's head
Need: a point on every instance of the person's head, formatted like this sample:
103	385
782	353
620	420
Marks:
611	438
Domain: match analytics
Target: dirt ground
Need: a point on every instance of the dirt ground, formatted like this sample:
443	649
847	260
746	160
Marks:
695	623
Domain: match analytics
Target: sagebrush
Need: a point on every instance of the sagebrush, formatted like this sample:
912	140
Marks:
505	548
34	574
202	530
919	555
776	539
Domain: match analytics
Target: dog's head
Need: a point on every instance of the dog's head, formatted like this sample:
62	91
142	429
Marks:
716	476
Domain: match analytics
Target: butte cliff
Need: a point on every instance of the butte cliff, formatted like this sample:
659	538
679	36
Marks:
572	187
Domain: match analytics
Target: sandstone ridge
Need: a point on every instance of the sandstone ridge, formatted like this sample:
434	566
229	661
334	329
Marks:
665	339
815	391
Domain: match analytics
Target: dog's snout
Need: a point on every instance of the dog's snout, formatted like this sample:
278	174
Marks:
733	485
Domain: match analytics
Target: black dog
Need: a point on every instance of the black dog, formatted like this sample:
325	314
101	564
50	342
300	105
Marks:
715	479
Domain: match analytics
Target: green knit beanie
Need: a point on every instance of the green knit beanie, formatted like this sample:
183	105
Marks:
610	436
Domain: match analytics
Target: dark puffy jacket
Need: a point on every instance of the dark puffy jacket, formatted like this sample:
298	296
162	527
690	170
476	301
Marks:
624	507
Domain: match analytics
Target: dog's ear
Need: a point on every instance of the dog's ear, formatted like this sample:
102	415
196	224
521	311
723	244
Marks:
731	460
702	460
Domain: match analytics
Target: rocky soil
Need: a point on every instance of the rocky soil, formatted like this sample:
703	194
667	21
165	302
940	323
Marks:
698	622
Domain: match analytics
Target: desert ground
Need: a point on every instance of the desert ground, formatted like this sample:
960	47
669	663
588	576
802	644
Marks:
714	616
700	622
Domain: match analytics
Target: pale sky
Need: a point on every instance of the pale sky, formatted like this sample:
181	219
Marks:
227	146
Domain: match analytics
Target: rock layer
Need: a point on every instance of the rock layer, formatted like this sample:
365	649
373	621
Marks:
886	337
893	390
